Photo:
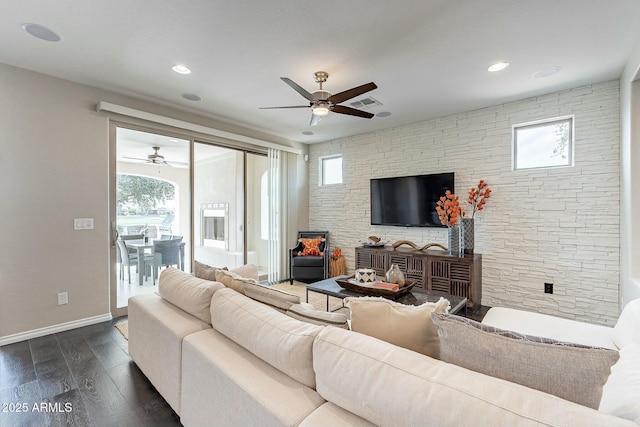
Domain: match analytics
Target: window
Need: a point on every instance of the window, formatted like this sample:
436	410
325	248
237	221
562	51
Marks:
543	144
331	170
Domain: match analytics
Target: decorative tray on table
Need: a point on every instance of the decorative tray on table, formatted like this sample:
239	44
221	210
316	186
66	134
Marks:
371	289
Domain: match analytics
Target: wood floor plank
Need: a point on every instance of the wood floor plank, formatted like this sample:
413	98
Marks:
20	415
54	377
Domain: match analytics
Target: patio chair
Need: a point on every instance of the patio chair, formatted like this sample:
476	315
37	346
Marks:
166	253
127	259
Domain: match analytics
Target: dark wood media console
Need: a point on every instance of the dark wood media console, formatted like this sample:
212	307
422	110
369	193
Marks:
432	270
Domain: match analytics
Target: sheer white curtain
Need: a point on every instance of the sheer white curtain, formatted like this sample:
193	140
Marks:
274	172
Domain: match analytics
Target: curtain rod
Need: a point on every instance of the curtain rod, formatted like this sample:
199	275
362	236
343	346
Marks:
156	118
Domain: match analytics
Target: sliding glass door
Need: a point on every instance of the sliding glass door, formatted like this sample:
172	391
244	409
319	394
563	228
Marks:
230	195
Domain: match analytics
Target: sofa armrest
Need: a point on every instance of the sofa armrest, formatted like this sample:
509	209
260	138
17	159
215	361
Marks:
546	326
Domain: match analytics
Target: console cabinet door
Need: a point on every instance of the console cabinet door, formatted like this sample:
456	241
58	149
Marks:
375	259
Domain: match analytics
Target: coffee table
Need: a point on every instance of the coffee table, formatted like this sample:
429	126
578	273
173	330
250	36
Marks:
417	296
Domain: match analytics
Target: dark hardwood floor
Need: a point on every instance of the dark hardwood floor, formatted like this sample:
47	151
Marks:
83	377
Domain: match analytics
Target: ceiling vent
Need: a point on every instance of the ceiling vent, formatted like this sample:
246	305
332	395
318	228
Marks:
368	102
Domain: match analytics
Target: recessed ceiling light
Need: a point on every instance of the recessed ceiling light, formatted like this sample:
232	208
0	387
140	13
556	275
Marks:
181	69
307	132
43	33
547	71
498	66
191	97
383	114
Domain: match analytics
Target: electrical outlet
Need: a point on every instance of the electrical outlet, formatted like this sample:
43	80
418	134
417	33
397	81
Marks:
63	298
548	288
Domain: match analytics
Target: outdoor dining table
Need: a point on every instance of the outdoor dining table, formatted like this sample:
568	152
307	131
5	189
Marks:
141	246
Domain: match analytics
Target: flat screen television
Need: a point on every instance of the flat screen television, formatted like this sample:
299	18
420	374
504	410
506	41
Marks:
409	201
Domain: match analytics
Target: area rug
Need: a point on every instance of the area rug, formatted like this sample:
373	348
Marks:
123	327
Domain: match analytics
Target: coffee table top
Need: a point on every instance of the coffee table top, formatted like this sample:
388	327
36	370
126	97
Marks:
417	296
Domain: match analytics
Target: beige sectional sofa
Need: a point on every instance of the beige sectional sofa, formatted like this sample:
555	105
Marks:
220	358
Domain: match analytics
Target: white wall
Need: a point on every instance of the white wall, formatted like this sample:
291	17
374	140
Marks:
54	166
551	225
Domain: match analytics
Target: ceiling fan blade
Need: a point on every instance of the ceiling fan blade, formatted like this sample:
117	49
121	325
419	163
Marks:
351	111
170	163
351	93
136	158
290	106
298	89
314	120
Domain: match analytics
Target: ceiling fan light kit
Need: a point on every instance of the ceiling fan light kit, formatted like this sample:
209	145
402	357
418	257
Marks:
322	102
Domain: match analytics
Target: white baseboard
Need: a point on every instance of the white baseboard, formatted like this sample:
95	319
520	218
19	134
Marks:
35	333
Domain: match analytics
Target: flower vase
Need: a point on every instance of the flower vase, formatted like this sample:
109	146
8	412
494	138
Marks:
468	235
454	240
394	275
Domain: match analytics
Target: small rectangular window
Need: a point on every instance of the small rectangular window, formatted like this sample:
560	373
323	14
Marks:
331	170
543	144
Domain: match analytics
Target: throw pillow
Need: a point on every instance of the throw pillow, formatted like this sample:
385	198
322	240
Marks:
306	312
621	391
311	246
233	280
570	371
280	300
204	271
403	325
627	329
189	293
248	271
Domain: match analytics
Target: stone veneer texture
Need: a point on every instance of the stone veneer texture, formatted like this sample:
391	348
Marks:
558	225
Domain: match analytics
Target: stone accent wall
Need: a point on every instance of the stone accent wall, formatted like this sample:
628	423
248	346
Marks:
548	225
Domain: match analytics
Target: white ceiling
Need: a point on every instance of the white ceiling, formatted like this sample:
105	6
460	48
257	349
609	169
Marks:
429	58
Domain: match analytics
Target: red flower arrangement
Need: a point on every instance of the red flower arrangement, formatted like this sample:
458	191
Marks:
478	197
449	209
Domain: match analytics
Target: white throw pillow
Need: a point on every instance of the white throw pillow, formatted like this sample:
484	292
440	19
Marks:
248	271
187	292
403	325
306	312
621	392
627	329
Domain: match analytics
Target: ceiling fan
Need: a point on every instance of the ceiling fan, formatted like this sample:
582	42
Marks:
157	159
322	102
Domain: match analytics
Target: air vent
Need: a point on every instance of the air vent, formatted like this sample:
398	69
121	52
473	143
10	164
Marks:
368	102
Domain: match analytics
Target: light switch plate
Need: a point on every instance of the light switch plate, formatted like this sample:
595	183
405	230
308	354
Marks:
83	224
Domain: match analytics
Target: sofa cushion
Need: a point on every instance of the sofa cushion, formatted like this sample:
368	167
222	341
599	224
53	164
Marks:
330	414
280	300
627	329
206	272
225	385
570	371
187	292
406	326
283	342
621	392
306	312
393	386
233	280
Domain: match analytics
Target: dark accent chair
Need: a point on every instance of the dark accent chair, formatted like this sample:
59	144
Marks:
309	268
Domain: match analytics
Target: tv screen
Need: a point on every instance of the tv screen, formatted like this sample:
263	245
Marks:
409	201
